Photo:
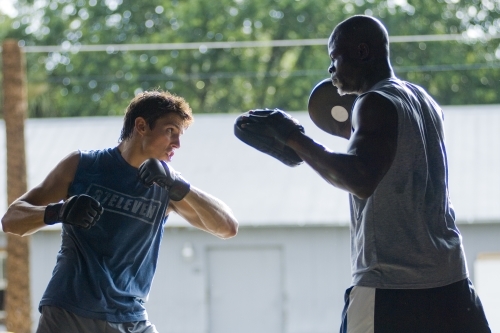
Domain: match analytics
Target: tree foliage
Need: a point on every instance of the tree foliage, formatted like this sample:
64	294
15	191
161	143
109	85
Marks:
236	79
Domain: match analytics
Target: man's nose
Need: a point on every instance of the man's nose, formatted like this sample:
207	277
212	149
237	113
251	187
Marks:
176	142
331	69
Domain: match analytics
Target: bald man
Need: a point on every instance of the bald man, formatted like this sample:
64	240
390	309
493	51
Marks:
409	272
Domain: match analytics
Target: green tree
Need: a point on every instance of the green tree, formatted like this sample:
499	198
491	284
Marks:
72	83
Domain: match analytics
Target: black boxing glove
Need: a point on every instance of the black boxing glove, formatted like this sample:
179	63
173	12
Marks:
276	123
154	171
80	210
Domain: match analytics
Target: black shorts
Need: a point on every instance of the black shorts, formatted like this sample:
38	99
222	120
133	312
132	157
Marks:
454	308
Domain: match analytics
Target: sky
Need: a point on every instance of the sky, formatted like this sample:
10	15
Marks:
6	6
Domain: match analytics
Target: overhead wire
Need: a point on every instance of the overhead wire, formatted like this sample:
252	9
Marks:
205	46
74	48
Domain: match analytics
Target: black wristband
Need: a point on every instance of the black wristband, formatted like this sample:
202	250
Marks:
179	189
51	215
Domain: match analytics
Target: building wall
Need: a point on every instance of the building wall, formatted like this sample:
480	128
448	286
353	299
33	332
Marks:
264	280
479	238
267	279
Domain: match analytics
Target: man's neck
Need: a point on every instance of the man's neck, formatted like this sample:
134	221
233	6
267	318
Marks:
130	153
377	73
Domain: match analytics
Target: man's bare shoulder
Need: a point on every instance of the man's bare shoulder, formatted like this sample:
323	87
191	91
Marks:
373	111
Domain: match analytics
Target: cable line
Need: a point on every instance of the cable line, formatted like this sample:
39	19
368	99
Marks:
204	46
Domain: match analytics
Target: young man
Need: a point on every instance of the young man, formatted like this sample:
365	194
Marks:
408	265
115	203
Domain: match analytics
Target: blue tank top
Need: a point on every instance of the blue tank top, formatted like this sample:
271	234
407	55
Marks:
404	235
106	272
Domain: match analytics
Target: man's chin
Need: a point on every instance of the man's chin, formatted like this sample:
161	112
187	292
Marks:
342	92
169	157
340	89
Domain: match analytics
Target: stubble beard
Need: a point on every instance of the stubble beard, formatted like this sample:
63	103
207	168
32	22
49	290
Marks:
344	88
340	87
340	91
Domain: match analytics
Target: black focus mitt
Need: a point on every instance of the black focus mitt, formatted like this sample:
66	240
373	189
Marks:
267	131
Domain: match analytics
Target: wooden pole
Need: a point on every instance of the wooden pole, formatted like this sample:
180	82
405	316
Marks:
17	295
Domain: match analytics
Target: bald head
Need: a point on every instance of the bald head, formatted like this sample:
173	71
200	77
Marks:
362	29
359	52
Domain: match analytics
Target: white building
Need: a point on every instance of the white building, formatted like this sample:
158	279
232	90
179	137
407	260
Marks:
288	267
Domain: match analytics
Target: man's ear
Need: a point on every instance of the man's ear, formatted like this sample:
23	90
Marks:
140	125
363	51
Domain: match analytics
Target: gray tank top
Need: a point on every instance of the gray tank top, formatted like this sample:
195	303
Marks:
404	235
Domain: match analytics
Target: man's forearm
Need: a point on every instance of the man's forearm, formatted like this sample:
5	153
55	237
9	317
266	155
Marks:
23	218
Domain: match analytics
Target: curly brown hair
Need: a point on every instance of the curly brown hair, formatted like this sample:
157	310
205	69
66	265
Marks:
152	105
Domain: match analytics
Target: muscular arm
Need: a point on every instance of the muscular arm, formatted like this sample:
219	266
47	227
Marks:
206	212
370	153
25	215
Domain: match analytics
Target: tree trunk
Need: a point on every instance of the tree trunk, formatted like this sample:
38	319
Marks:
17	296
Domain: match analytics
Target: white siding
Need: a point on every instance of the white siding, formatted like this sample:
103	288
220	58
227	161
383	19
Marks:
259	188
